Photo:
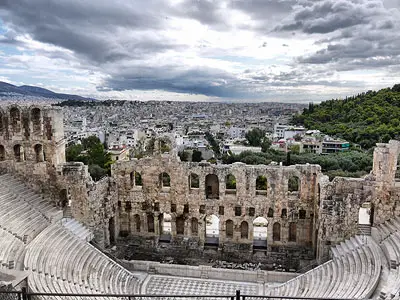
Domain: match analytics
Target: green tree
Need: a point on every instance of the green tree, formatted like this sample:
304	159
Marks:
255	137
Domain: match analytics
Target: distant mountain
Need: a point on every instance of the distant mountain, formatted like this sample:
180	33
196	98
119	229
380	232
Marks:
9	90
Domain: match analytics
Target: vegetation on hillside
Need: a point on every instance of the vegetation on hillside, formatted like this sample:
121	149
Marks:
365	119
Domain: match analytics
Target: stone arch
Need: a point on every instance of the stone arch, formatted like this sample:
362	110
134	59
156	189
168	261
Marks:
194	181
36	119
136	220
164	180
15	119
292	232
229	229
212	186
244	230
150	223
64	199
39	154
194	226
261	185
212	230
230	184
276	232
19	154
260	232
365	215
180	225
2	153
293	183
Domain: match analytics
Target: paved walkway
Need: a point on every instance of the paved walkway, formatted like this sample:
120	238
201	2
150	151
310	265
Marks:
170	285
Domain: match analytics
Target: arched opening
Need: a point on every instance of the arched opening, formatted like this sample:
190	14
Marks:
293	184
270	213
230	184
15	120
194	181
165	180
150	223
284	213
180	225
302	214
229	229
39	156
19	153
318	194
212	230
136	219
135	179
292	232
36	119
124	224
2	153
260	232
194	227
261	185
111	230
244	230
276	232
212	186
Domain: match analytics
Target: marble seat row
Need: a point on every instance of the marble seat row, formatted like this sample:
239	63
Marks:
59	254
389	239
17	188
78	229
353	272
11	249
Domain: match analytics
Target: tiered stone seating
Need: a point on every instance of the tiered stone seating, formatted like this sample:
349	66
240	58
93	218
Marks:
11	249
57	254
78	229
353	272
388	238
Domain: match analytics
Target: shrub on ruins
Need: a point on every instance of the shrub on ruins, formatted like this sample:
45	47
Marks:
91	152
196	156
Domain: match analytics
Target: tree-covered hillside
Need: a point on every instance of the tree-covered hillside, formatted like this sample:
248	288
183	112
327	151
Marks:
364	119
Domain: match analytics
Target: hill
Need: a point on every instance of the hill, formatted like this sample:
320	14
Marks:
365	119
9	90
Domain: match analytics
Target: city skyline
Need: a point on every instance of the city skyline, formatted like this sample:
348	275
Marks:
202	50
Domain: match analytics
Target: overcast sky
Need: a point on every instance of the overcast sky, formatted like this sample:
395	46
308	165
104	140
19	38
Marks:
233	50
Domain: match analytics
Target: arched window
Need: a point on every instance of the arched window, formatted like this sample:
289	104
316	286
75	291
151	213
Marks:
230	184
180	225
293	184
19	153
212	186
2	153
124	224
39	157
261	185
244	230
302	214
319	194
136	219
270	213
292	232
135	179
276	232
36	119
229	228
150	223
15	119
195	226
165	180
284	213
194	181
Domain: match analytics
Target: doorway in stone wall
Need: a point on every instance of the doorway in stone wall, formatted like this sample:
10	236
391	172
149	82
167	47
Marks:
212	230
365	218
111	230
166	227
260	233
